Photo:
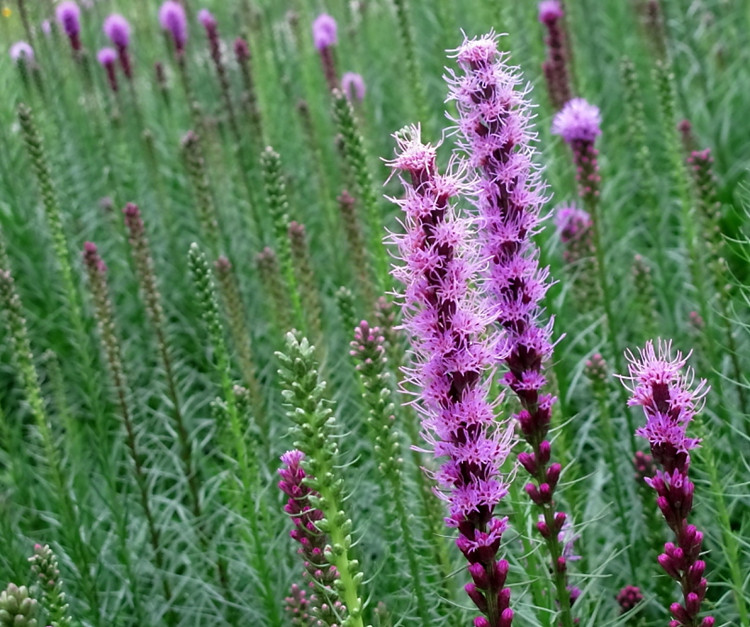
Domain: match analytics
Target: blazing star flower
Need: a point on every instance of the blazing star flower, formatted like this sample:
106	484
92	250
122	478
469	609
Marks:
21	52
447	324
666	390
107	58
578	121
353	85
69	16
550	11
324	31
117	29
172	18
206	19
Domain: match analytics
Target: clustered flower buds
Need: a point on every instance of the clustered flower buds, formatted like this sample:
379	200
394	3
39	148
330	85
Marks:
555	66
324	31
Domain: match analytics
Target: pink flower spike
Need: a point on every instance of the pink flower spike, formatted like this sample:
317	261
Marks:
172	19
117	29
353	85
324	30
578	121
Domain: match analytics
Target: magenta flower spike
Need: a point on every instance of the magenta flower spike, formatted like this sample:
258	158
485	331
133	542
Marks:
555	66
21	52
107	58
353	85
117	29
579	124
69	16
665	388
172	19
446	323
324	31
494	123
207	20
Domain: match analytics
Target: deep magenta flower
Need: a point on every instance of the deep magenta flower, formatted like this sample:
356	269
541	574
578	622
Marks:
172	19
21	52
206	19
324	31
452	352
117	29
579	124
107	58
629	597
666	390
69	16
550	11
555	66
353	85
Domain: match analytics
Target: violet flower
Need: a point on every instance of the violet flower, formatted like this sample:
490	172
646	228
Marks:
107	58
555	66
665	388
324	31
313	542
452	353
21	52
207	20
353	85
629	597
172	19
117	29
579	124
497	138
69	16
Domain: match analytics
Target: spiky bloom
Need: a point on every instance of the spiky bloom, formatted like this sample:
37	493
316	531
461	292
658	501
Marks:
497	138
117	29
555	66
447	324
107	57
629	597
21	52
44	566
69	16
324	37
665	388
172	19
353	85
17	607
324	31
314	543
579	124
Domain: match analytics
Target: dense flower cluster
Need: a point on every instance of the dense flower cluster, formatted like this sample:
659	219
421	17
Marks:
664	387
555	66
173	20
447	325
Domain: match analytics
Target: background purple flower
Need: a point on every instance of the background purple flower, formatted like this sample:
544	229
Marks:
324	31
353	85
578	121
172	19
550	11
69	16
117	29
21	51
206	19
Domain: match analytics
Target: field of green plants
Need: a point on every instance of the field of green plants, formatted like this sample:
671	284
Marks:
354	313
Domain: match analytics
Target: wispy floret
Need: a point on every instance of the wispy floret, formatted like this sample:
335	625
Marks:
578	121
172	18
324	30
451	354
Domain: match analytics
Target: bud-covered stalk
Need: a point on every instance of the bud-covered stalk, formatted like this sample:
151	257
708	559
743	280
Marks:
356	160
250	95
269	271
357	248
17	607
556	66
303	272
54	603
312	412
104	314
325	37
645	295
195	162
413	72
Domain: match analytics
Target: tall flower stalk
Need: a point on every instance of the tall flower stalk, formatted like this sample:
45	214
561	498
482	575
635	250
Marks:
663	387
446	324
555	67
494	125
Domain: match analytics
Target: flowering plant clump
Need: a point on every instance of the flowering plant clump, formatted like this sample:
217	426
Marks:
446	322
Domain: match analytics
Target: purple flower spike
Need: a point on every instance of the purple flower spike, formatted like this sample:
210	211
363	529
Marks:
324	31
629	597
550	11
579	124
578	121
117	29
21	52
206	19
666	390
172	18
107	58
69	16
452	352
353	85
